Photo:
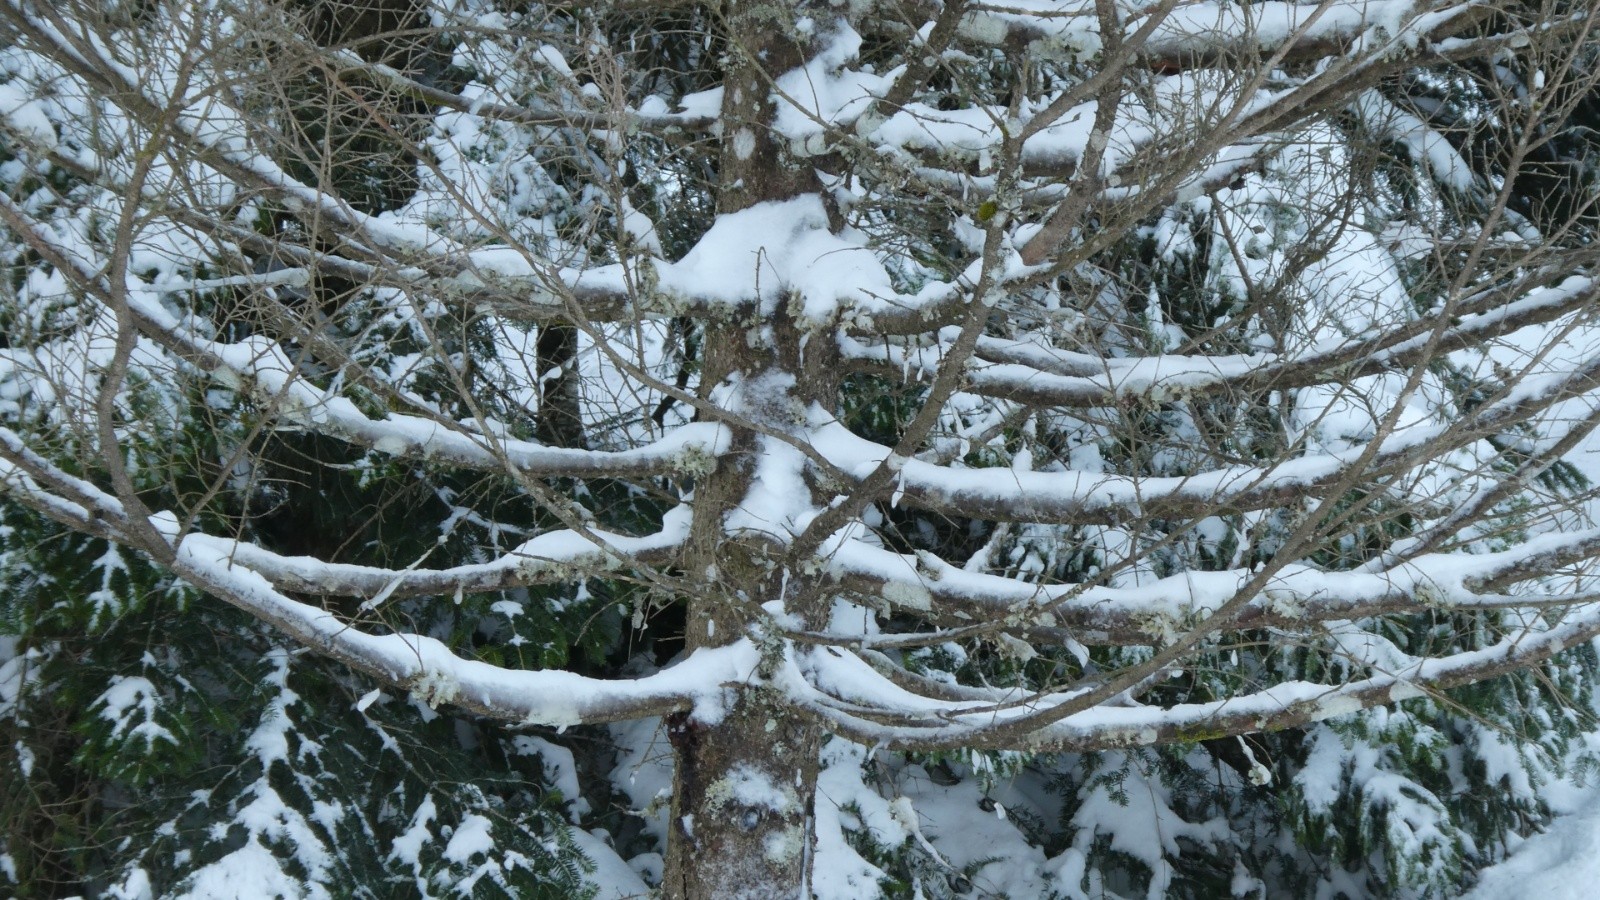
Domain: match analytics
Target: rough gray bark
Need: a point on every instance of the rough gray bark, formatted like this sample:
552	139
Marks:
741	817
741	811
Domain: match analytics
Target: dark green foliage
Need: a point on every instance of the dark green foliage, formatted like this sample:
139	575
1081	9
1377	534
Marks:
169	761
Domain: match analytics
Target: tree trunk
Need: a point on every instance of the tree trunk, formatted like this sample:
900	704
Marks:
741	813
560	419
742	798
741	809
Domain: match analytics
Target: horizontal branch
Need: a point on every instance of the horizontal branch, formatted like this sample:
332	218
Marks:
262	369
943	725
428	669
554	557
1215	33
421	665
1035	375
1075	497
348	63
1300	597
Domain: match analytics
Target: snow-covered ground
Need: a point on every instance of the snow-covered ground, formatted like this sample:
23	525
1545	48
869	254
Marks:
1561	864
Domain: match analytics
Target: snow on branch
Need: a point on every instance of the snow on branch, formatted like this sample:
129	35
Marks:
1298	597
422	665
350	64
263	368
1026	372
1082	497
1209	33
553	557
878	712
429	670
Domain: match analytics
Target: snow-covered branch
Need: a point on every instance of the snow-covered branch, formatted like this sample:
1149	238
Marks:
945	725
1042	376
1299	597
422	665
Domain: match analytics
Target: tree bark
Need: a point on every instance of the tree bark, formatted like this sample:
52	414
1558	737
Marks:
560	418
741	811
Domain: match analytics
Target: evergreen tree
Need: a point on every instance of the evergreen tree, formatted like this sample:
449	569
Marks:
748	449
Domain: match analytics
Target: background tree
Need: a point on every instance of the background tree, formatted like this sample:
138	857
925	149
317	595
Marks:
1070	429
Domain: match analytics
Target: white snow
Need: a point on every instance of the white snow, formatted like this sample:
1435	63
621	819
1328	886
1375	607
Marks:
747	786
613	878
773	249
1563	863
130	704
643	772
248	873
27	117
471	838
824	92
791	253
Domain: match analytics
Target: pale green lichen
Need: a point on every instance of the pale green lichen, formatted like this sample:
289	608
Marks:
1288	604
1430	595
785	846
434	687
1160	626
696	462
908	596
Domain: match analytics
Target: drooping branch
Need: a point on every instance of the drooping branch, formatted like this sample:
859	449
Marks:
1086	497
420	665
263	368
1033	375
928	724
